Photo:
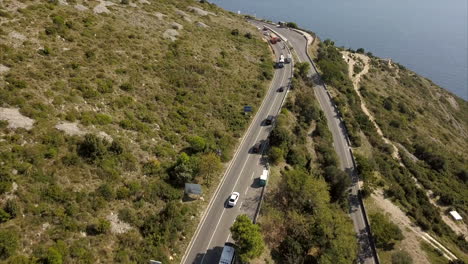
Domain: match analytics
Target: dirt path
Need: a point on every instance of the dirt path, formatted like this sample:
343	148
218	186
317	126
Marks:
411	232
348	57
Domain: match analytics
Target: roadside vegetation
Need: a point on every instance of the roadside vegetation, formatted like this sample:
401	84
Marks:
124	115
426	123
303	218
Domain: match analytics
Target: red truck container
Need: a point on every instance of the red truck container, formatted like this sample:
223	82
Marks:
274	38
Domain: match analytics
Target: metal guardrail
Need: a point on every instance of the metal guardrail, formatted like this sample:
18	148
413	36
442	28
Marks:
257	212
365	216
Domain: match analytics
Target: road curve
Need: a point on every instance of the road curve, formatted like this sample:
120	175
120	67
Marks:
241	176
367	252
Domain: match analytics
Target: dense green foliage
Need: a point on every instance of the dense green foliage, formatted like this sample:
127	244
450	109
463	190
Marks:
302	218
150	114
248	238
427	125
385	232
335	73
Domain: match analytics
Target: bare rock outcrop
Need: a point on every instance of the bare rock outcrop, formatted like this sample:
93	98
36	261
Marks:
15	119
171	34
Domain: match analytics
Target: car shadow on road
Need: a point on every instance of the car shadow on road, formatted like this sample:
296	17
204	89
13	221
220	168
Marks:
211	256
255	183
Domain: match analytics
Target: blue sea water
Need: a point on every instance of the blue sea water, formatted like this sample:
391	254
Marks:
429	37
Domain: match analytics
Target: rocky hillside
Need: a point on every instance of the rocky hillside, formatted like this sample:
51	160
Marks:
106	109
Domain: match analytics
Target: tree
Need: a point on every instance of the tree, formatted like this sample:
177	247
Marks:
8	243
248	238
401	257
302	192
209	165
338	180
291	25
276	155
303	69
280	137
385	232
182	172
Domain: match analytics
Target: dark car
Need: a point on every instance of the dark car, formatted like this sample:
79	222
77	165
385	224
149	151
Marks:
287	60
281	89
269	120
257	147
279	65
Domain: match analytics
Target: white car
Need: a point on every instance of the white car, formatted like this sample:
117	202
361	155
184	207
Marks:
233	199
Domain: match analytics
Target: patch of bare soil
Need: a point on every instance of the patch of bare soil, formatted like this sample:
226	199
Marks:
452	102
81	7
413	234
70	128
201	24
102	7
117	226
200	11
171	34
3	69
355	58
351	59
160	16
184	15
15	119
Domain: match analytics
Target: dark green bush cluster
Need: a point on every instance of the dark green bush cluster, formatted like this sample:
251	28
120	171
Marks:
335	73
307	191
385	232
311	223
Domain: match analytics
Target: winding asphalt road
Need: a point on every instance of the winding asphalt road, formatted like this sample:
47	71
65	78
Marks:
241	176
367	253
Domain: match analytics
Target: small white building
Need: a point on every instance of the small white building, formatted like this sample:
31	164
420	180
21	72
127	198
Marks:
456	215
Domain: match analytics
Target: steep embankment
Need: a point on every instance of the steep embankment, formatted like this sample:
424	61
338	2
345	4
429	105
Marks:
409	138
106	109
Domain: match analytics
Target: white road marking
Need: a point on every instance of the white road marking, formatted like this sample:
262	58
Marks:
242	170
230	166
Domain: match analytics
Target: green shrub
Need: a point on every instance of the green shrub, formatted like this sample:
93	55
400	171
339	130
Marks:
101	227
106	192
8	243
92	147
385	232
126	87
292	25
105	85
5	180
275	155
4	216
53	256
12	208
197	143
401	257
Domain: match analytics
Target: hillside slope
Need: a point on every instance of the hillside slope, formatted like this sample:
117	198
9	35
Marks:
409	138
106	109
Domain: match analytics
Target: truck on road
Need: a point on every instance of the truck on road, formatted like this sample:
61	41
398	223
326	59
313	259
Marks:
264	177
274	38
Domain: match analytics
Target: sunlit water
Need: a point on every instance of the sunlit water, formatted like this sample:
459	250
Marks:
427	36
